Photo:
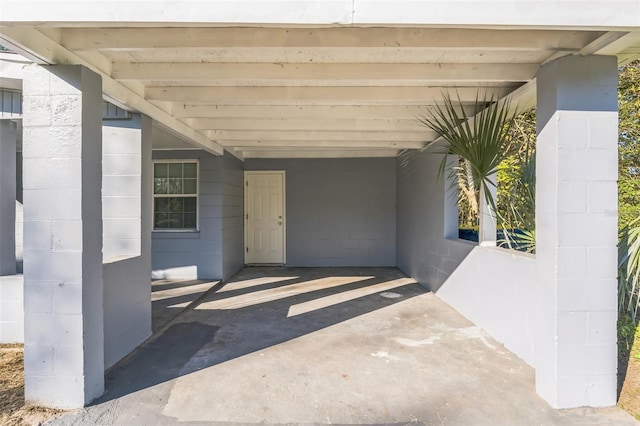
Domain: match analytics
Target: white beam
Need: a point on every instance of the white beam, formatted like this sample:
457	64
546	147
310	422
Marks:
51	52
228	74
625	45
313	148
320	154
318	95
227	136
252	145
335	55
439	38
333	124
391	112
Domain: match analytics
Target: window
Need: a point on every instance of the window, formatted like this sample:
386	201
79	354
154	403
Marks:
175	195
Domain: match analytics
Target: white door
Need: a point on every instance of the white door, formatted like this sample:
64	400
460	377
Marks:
264	217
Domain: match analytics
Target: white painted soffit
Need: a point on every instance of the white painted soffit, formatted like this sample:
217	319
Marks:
44	50
306	92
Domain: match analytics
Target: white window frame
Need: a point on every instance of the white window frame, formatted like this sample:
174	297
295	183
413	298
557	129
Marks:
197	195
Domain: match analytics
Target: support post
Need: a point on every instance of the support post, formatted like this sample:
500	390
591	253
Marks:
576	227
64	355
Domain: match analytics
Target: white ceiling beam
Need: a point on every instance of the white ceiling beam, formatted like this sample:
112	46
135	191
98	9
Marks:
51	52
322	154
625	45
310	144
374	112
335	124
332	55
312	148
226	74
229	136
318	95
440	38
602	42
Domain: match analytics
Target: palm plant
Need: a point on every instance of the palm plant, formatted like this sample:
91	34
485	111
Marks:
480	140
629	270
517	198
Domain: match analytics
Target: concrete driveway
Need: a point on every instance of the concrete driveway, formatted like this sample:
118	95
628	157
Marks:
325	346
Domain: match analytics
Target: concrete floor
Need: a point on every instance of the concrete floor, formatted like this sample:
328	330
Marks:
169	298
326	346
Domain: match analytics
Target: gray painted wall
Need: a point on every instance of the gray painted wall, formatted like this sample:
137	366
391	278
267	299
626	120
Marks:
126	189
339	212
8	131
19	176
215	250
232	211
423	251
19	213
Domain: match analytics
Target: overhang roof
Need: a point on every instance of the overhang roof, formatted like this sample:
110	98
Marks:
315	90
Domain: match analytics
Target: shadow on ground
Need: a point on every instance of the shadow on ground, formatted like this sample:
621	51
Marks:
169	298
261	307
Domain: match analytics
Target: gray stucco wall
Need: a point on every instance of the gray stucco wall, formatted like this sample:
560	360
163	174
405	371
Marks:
215	250
423	251
339	212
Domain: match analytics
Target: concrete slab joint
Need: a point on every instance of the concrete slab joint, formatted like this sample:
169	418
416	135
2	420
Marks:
576	351
64	359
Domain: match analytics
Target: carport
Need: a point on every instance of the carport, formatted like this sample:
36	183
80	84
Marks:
324	95
325	346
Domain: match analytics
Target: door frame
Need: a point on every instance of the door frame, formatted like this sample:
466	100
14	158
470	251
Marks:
284	210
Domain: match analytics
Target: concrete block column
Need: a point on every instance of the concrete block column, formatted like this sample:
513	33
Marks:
62	154
7	197
576	226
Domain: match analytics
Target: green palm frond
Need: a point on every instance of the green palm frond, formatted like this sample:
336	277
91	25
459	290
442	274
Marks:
481	140
629	270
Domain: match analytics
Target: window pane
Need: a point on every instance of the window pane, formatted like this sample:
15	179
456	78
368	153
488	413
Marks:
160	186
161	205
176	205
176	221
190	170
175	170
190	186
190	205
190	220
161	221
160	170
175	186
173	211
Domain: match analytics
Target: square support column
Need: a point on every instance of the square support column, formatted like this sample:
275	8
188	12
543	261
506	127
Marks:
7	197
62	165
576	227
